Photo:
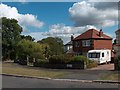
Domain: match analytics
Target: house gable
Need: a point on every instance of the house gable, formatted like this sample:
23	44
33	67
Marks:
92	33
90	40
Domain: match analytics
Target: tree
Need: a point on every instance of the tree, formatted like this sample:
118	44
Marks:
30	49
55	45
11	31
114	42
27	37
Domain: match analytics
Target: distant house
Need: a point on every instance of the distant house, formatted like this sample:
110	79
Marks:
117	46
68	48
91	40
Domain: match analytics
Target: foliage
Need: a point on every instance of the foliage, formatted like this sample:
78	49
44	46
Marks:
10	37
117	63
91	64
27	37
40	62
56	46
67	59
31	49
57	59
114	42
82	58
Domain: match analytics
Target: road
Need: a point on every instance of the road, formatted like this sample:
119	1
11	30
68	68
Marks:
19	82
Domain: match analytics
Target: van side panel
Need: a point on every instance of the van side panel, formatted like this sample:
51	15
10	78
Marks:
105	56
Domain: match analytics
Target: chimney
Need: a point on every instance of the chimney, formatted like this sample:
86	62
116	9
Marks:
100	33
72	37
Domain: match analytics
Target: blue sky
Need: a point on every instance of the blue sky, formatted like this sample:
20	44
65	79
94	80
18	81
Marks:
50	13
50	18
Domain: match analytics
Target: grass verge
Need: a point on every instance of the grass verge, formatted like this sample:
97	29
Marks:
12	68
112	76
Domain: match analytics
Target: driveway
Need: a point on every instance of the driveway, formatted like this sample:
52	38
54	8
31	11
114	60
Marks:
104	67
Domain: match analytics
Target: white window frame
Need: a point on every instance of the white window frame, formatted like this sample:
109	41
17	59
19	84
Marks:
86	43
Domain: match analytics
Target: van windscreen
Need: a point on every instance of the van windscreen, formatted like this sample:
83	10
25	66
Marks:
94	55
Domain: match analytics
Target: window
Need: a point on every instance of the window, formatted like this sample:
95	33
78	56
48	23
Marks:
86	43
102	54
77	44
94	55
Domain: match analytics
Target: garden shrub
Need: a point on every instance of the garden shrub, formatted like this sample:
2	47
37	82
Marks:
117	63
40	62
66	59
57	59
80	59
38	55
22	60
76	60
91	64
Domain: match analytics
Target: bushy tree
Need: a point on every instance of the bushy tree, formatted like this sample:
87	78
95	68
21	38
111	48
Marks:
27	37
11	31
55	45
31	49
117	63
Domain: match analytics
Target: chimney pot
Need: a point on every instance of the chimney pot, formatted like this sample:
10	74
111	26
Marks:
72	37
100	33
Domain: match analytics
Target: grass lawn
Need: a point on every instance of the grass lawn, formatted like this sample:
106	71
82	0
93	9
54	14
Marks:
13	68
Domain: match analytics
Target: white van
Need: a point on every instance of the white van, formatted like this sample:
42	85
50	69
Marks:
100	56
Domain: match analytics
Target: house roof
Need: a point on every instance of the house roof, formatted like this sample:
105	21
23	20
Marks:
69	43
118	30
92	33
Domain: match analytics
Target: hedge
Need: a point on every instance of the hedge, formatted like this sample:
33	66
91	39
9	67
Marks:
117	63
65	61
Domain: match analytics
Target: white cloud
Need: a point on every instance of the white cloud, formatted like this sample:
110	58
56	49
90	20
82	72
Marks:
36	35
22	0
29	19
23	19
103	0
65	32
86	13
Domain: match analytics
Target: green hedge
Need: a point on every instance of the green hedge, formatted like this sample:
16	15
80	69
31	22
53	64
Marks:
117	63
91	64
67	59
57	59
64	60
40	62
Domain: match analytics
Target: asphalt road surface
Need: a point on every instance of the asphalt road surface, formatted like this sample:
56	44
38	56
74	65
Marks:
19	82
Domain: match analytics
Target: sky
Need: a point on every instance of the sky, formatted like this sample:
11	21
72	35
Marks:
62	19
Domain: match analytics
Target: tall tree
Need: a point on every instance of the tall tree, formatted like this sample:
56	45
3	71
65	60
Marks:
114	42
11	31
27	37
55	45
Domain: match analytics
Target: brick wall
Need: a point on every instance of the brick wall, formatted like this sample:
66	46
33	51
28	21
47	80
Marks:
103	44
96	44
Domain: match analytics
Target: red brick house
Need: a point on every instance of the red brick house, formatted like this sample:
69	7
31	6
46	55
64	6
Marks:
91	40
